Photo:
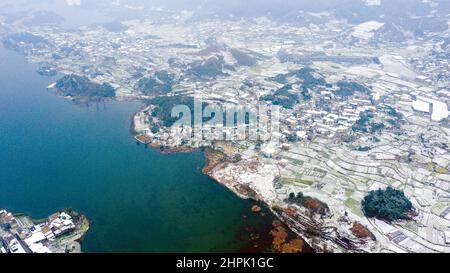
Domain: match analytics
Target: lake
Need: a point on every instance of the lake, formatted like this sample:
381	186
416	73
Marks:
55	154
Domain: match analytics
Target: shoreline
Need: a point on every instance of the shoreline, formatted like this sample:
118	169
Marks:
61	232
322	235
247	193
243	192
240	192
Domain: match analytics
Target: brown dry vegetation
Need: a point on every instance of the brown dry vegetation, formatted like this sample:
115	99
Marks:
361	231
281	242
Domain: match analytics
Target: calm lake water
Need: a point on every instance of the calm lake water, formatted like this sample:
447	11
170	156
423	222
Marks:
55	154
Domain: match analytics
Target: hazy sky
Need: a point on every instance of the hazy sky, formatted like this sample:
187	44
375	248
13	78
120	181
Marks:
355	11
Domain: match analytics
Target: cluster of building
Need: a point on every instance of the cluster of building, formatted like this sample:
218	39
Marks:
332	146
18	234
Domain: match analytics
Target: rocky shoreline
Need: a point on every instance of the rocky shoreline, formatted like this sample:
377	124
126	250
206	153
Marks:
322	235
215	158
269	235
249	177
285	239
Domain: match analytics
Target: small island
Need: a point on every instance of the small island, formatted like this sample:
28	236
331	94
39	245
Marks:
61	232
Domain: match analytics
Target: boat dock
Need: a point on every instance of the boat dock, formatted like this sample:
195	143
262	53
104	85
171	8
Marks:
144	139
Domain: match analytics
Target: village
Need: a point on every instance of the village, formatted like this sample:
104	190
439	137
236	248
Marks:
61	232
345	111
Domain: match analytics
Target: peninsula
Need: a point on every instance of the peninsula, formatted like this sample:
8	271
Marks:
61	232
